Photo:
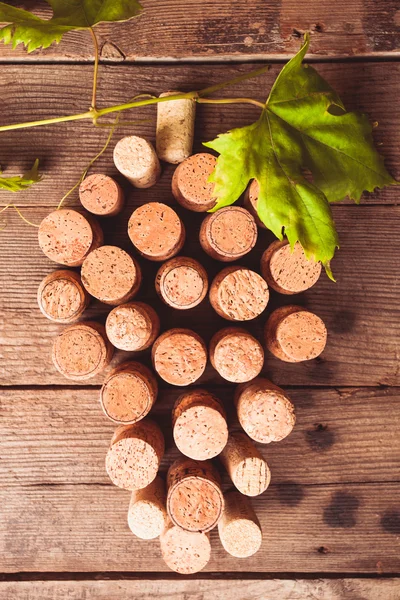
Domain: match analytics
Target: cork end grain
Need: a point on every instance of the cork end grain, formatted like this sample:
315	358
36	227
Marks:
147	516
287	271
245	465
251	200
137	160
133	326
82	351
294	334
61	296
101	195
239	529
236	354
156	231
199	425
179	356
239	294
228	234
190	185
184	552
182	283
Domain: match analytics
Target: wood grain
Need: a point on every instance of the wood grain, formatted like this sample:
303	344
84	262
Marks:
212	30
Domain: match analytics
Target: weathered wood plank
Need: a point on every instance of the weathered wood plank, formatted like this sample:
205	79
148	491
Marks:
234	30
32	92
361	310
203	589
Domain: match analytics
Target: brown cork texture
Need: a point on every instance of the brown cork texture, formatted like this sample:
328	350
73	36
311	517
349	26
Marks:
82	351
156	231
264	411
236	355
239	528
250	202
135	454
190	185
62	297
128	393
179	356
67	236
199	425
182	283
228	234
194	499
111	275
137	160
239	294
184	552
101	195
147	515
245	465
294	334
175	128
132	327
286	271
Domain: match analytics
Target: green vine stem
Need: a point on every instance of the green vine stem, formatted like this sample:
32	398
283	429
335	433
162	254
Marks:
96	67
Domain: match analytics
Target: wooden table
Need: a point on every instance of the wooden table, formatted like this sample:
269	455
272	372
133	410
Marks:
331	517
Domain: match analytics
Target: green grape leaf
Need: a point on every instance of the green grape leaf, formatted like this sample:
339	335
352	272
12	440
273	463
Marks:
34	32
22	182
305	151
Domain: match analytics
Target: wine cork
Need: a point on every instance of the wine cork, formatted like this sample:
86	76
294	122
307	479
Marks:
101	195
194	499
182	283
184	552
175	128
236	354
128	393
133	326
190	185
67	236
239	528
287	271
179	356
250	202
245	465
156	231
137	160
111	275
264	411
147	515
135	454
239	294
82	350
199	425
294	334
228	234
62	297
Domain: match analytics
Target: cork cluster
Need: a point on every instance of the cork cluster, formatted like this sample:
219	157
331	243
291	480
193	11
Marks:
197	494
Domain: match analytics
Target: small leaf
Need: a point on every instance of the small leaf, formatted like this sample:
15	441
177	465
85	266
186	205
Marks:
22	182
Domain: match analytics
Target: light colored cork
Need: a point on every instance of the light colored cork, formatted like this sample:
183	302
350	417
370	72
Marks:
184	552
135	454
179	356
128	393
239	294
199	425
239	528
190	185
287	271
133	326
101	195
294	334
111	275
156	231
182	283
245	465
62	297
264	411
250	202
194	499
67	236
175	128
147	515
228	234
137	160
82	350
236	354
